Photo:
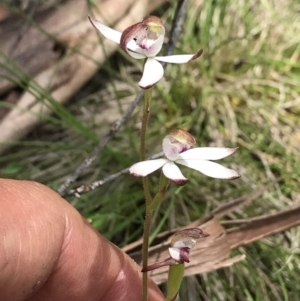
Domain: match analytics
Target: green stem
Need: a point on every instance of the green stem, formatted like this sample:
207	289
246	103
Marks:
148	216
146	111
145	253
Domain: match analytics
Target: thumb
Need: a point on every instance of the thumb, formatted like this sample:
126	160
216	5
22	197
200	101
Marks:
49	252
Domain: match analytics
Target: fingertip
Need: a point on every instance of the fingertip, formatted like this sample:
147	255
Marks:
70	259
31	233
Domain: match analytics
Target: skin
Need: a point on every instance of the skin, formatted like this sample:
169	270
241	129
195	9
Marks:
49	252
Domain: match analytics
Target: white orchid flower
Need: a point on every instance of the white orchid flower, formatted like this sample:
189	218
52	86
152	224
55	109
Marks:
176	147
182	243
144	40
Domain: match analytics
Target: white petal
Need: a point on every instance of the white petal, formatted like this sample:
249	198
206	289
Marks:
153	72
179	59
175	253
108	32
172	172
144	168
207	153
210	169
136	55
131	45
136	51
155	47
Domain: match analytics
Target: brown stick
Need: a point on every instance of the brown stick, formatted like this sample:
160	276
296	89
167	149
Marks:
259	227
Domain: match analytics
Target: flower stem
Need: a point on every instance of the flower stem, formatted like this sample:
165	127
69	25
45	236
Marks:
148	198
146	111
145	253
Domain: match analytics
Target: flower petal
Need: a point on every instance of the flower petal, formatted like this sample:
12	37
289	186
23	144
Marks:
172	172
131	45
128	36
153	72
185	242
210	169
136	55
134	50
108	32
179	59
207	153
175	253
180	255
144	168
155	47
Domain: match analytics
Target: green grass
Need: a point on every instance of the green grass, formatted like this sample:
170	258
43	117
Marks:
243	92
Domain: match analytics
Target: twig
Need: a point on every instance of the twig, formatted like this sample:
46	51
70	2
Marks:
177	27
96	151
89	187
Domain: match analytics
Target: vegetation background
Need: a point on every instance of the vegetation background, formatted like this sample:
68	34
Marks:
244	91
